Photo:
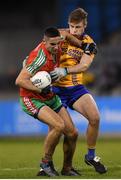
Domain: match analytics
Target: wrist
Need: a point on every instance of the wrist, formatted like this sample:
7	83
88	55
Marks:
39	90
66	69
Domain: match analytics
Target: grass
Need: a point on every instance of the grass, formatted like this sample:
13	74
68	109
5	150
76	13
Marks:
19	158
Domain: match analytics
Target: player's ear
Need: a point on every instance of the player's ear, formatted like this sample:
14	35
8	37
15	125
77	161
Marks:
45	38
85	26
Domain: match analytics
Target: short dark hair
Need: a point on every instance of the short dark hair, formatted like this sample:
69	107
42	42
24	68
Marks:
51	32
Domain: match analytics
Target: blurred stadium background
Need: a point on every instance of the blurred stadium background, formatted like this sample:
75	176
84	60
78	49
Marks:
21	28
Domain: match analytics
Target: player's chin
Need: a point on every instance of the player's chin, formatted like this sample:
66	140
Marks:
54	51
77	35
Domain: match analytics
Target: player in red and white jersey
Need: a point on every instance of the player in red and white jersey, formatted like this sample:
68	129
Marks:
45	105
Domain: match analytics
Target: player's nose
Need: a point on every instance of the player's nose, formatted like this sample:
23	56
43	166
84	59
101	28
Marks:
56	47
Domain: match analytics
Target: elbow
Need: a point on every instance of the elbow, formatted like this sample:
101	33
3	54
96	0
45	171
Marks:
82	69
17	82
85	67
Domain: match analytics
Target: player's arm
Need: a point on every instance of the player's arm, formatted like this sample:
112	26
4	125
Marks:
89	49
73	40
23	80
84	64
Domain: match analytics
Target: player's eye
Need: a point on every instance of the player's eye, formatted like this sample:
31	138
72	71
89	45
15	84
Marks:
54	44
78	27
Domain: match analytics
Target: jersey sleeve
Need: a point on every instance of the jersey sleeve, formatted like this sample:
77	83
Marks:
89	46
35	61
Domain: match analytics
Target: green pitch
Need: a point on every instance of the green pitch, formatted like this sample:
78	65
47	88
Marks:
19	158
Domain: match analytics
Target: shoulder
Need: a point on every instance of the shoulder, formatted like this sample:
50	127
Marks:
87	39
37	56
88	45
39	51
39	48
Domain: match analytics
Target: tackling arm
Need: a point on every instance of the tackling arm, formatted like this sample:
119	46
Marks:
73	40
84	64
89	50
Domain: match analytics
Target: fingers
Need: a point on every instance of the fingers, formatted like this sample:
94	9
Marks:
54	75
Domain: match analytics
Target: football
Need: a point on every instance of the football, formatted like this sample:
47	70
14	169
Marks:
41	79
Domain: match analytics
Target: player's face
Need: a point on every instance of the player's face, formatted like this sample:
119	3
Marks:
76	29
53	44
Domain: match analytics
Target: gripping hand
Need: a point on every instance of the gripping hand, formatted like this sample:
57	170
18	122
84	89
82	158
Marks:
58	73
46	90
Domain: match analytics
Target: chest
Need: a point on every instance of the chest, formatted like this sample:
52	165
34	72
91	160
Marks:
71	51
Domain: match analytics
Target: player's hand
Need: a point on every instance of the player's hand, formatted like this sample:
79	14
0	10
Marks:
58	73
46	90
64	34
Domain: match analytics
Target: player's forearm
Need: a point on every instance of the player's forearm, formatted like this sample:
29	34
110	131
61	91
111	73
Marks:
73	40
23	80
82	66
27	84
77	68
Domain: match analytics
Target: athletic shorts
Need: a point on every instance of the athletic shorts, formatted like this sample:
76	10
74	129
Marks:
32	106
69	95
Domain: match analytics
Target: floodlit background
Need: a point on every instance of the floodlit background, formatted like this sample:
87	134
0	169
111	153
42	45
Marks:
21	29
21	137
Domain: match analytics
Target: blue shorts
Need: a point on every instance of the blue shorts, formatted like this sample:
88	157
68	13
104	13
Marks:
70	94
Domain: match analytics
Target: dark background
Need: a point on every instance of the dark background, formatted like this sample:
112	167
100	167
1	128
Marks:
21	29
